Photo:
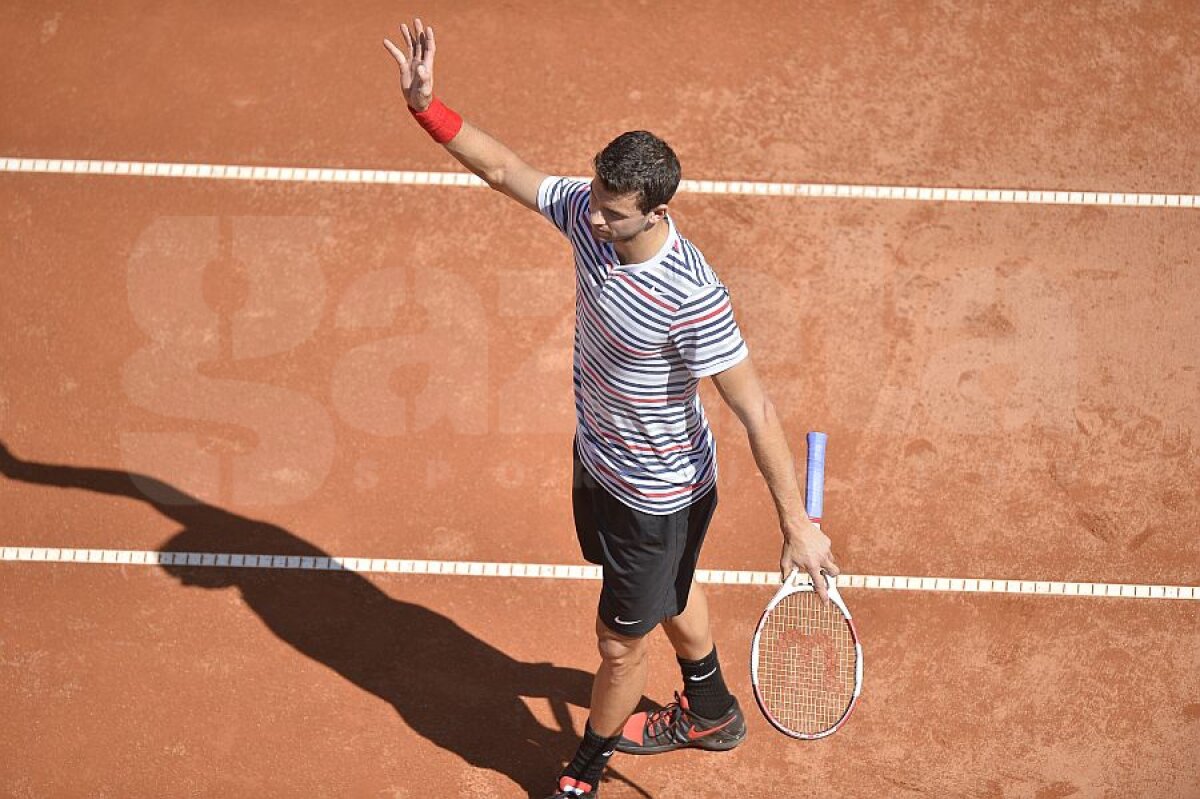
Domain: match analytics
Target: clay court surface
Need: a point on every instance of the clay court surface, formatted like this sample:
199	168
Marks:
316	369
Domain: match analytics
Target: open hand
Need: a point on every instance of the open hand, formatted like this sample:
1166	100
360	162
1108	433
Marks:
416	69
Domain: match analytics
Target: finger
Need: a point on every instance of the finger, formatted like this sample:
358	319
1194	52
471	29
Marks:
420	28
396	54
405	71
430	47
408	38
818	582
830	567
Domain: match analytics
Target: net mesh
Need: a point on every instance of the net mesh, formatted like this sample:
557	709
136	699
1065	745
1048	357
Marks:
806	664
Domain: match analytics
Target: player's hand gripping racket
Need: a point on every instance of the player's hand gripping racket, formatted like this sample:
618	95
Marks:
806	662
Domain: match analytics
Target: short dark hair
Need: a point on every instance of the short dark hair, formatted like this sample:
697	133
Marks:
639	161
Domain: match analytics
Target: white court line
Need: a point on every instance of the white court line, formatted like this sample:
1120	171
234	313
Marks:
291	174
455	568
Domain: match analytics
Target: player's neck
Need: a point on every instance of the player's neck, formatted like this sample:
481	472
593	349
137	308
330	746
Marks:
645	245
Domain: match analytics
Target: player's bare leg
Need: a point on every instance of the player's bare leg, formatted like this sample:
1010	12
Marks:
690	632
615	693
619	681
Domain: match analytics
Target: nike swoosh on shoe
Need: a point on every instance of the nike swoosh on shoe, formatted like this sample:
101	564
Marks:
695	734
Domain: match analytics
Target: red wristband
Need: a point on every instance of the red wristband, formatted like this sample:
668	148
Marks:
439	121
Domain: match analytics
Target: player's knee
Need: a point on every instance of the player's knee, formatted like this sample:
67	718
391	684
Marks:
620	652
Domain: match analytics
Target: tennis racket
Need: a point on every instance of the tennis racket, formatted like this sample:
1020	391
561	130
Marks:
806	662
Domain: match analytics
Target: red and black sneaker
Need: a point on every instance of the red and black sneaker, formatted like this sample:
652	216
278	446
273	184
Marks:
569	788
676	727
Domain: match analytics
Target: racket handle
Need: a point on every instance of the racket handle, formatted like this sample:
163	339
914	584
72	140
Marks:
814	494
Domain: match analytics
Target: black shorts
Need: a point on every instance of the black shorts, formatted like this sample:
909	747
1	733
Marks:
648	560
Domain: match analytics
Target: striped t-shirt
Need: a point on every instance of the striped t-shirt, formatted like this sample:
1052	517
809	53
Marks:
644	336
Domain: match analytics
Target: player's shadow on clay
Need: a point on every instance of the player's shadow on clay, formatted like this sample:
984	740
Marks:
456	690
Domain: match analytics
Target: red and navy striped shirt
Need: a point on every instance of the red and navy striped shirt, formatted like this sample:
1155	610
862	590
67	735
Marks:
644	336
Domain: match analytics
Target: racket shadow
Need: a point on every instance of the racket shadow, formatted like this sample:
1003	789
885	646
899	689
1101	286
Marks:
456	690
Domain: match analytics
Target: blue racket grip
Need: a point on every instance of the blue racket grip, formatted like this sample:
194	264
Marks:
814	494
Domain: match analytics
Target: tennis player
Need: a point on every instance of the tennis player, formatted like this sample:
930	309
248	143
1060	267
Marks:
652	319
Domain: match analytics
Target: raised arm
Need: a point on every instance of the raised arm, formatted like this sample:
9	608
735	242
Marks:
498	166
805	547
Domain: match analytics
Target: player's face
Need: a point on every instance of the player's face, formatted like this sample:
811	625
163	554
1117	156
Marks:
616	217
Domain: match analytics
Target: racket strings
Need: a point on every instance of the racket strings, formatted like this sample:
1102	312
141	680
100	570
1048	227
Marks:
806	672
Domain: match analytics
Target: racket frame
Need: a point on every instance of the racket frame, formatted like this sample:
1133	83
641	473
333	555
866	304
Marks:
796	584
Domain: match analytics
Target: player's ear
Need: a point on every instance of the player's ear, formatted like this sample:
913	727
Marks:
658	212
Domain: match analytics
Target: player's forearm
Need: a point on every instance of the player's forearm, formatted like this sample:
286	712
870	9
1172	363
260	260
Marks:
487	158
774	459
483	155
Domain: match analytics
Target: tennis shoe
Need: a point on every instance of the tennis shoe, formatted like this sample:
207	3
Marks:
569	788
677	727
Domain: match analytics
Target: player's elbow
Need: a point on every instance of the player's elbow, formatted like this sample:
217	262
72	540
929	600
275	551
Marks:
502	171
757	415
503	181
493	176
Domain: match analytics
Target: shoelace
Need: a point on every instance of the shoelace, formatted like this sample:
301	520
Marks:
664	718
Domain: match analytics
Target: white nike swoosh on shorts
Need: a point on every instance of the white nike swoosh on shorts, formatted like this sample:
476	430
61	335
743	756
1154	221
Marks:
619	620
